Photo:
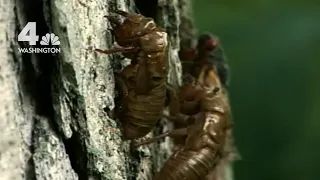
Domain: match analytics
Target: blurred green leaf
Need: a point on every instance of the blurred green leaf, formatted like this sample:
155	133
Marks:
273	51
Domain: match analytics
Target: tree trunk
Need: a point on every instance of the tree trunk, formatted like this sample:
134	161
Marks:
54	112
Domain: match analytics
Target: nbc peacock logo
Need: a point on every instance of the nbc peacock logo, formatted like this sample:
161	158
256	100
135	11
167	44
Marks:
50	37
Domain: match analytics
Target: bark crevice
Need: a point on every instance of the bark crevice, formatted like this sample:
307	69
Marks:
77	155
147	8
39	64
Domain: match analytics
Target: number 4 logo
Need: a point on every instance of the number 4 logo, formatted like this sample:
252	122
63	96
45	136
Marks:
29	34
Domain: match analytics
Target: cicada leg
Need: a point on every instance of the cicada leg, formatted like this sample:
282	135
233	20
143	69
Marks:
121	84
117	50
115	23
172	133
122	13
172	100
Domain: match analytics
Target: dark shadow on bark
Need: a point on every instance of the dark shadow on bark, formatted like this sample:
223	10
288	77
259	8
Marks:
77	156
42	67
147	8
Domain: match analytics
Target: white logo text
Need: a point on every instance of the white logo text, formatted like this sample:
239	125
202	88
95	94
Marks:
28	33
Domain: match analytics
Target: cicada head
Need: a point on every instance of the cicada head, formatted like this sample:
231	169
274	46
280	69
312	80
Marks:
207	42
154	42
132	28
209	79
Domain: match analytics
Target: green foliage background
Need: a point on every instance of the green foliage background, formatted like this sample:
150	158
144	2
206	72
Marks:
273	50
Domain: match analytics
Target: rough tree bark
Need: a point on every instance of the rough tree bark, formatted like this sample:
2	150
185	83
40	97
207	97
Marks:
54	107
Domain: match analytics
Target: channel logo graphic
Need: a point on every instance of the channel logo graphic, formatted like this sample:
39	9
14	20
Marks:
50	38
28	34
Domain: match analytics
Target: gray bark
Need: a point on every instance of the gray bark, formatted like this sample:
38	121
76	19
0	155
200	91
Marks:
52	104
54	111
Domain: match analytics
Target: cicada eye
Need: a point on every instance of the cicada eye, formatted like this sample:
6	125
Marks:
216	90
155	78
211	44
